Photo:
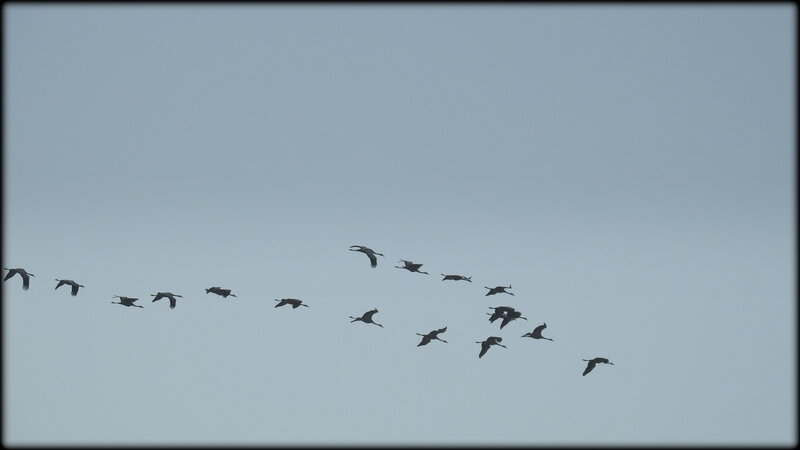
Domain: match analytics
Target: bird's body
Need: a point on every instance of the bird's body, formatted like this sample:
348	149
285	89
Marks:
366	317
22	273
290	301
593	362
126	301
74	285
172	300
219	291
537	332
490	341
426	338
411	267
373	261
498	289
456	277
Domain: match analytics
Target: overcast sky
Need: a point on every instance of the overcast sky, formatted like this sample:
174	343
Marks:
628	170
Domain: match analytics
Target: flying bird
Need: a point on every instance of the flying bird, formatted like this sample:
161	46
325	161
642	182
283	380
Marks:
74	285
219	291
126	301
537	332
594	362
366	318
411	267
290	301
22	273
499	312
373	261
507	313
456	277
426	338
498	289
490	341
169	295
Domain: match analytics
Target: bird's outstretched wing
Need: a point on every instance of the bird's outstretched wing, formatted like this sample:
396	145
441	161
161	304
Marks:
484	348
172	302
25	281
589	367
75	289
425	340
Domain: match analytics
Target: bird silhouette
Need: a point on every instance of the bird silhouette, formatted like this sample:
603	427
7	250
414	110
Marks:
426	338
22	273
593	362
373	261
499	312
507	313
74	285
219	291
126	301
490	341
456	277
411	267
290	301
537	332
498	289
367	317
169	295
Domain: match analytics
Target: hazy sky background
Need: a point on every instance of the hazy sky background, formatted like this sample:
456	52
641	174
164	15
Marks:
629	170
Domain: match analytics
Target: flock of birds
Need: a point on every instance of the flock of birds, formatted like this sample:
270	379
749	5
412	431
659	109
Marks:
506	313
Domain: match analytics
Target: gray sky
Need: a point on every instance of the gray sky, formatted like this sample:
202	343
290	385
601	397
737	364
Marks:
627	169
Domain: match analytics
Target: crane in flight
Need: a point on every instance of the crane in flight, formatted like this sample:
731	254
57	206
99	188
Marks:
219	291
74	285
411	267
498	289
426	338
290	301
367	317
507	313
490	341
456	277
593	362
126	301
373	261
537	332
22	273
169	295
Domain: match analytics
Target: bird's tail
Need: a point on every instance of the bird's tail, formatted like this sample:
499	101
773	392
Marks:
354	318
232	295
546	338
208	290
468	279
